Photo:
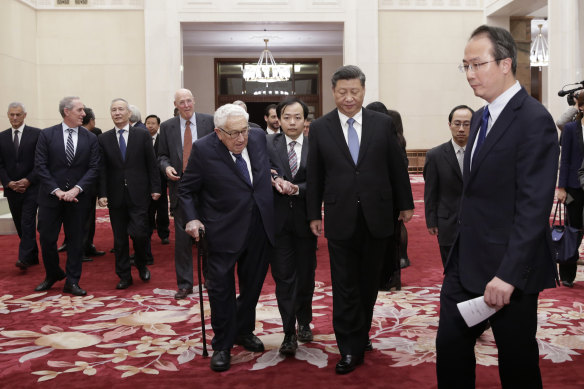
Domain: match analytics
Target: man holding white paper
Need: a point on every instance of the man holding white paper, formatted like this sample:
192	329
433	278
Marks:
502	247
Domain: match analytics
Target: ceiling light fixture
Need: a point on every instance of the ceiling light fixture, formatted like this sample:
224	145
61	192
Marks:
539	54
266	70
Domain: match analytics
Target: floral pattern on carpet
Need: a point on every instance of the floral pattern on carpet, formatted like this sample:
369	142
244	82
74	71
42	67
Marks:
146	334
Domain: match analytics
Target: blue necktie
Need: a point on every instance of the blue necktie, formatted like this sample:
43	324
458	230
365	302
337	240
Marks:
353	140
242	167
122	145
483	130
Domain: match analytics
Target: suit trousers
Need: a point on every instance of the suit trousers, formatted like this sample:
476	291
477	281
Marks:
293	266
575	208
23	207
355	265
393	252
183	251
158	215
231	316
72	217
514	328
129	220
444	251
90	229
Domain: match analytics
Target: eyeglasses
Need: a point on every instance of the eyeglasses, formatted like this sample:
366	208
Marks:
236	134
457	124
464	68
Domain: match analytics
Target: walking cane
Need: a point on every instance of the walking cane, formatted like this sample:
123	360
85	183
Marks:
201	252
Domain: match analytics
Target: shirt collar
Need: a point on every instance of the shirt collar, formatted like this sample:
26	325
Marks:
298	140
497	106
126	128
183	121
456	146
358	117
66	127
21	129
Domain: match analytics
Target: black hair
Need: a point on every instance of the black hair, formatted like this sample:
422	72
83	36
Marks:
457	108
290	101
348	72
504	45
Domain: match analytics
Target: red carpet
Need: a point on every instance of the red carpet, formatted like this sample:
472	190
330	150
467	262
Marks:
143	337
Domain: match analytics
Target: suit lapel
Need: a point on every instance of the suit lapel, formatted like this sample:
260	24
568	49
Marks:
580	139
450	156
336	134
282	149
366	134
228	159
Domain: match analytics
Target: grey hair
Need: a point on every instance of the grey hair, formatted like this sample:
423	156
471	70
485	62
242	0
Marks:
241	104
16	104
348	72
227	111
135	116
66	102
120	99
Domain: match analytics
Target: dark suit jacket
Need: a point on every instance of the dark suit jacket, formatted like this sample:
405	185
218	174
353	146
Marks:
442	191
163	180
379	180
224	199
15	167
51	165
507	199
138	172
170	148
278	152
572	155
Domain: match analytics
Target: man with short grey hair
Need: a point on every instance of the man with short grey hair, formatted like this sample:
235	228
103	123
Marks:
136	117
20	182
226	191
67	162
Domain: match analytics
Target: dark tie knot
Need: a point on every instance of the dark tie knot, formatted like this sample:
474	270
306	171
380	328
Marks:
292	144
122	131
70	131
16	132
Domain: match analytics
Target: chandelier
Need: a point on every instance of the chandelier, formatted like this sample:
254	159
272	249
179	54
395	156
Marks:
539	55
266	69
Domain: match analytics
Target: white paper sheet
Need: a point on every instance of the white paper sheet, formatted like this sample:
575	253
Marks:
475	311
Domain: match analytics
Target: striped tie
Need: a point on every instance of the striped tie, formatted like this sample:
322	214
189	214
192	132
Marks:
70	150
292	159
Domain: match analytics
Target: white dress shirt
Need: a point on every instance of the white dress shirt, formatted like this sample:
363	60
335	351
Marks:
357	124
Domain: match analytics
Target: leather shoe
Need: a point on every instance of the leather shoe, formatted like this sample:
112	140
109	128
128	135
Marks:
48	283
93	252
74	289
86	259
569	284
112	250
368	345
221	360
63	247
21	265
348	363
289	345
124	284
164	241
150	260
183	293
250	342
305	333
144	273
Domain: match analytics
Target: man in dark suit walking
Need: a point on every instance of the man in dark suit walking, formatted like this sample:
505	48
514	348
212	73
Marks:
20	182
173	155
129	179
67	163
294	261
502	250
356	167
158	211
443	180
227	191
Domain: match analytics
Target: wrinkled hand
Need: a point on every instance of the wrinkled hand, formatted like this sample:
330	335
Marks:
192	228
15	186
433	230
498	293
102	201
285	187
71	195
316	227
406	215
171	174
155	196
561	195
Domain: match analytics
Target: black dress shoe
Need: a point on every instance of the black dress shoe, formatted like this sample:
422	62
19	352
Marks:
86	259
48	283
93	252
569	284
182	293
144	273
404	262
369	345
250	342
305	333
74	289
221	360
289	345
63	247
348	363
112	250
124	284
21	265
164	241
